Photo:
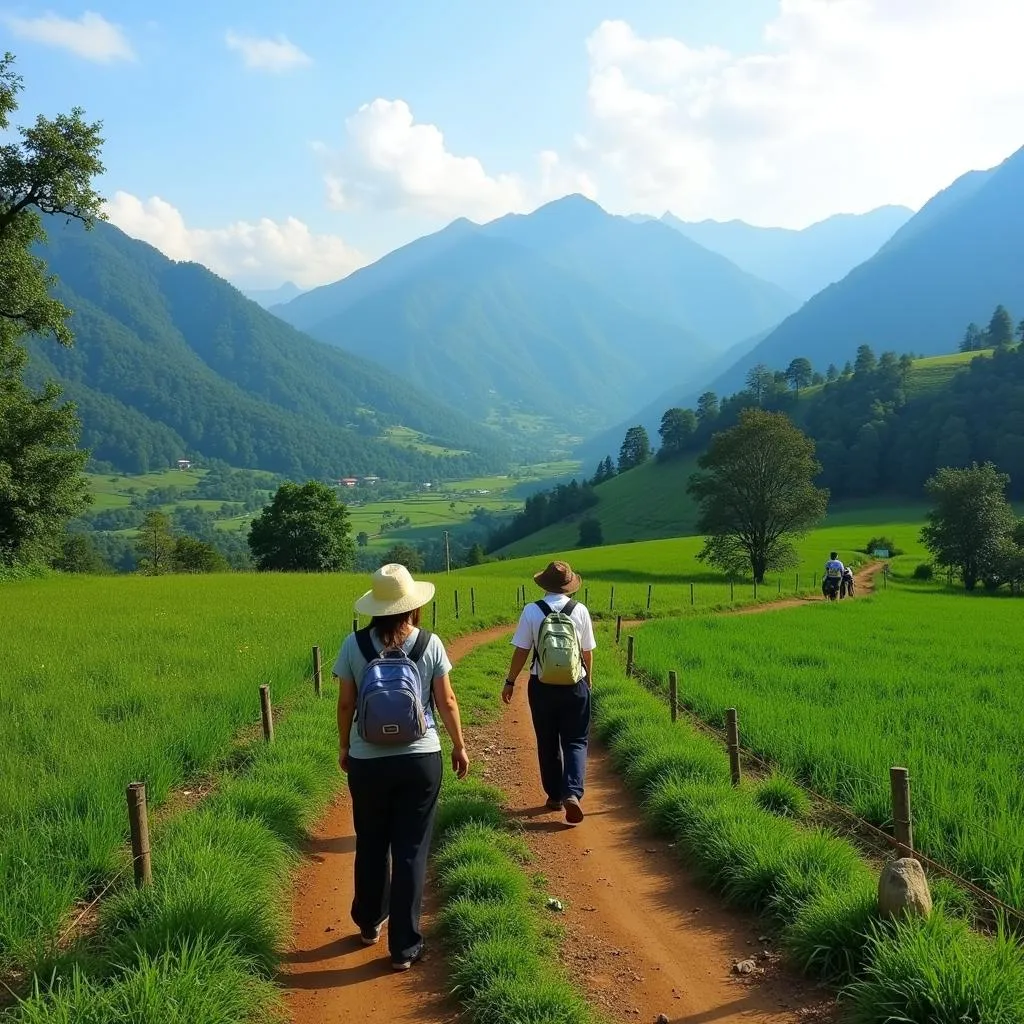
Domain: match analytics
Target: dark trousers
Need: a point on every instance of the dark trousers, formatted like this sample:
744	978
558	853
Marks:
393	804
561	720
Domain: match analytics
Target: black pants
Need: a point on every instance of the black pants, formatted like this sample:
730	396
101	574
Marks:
393	804
561	720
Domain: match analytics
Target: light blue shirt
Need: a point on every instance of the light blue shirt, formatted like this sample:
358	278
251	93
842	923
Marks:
351	665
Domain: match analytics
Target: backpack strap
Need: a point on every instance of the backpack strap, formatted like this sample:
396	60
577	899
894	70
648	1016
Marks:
419	648
570	607
365	644
544	607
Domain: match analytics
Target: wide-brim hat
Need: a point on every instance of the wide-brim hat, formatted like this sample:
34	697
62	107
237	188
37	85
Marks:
558	578
393	591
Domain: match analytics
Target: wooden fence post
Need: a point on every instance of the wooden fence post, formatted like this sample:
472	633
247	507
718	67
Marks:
586	596
673	695
138	823
650	587
267	714
611	603
629	655
732	734
317	672
472	601
780	585
691	595
797	591
755	590
732	590
618	629
456	604
902	822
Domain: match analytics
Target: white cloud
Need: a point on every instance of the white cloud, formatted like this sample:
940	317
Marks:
845	105
260	254
91	36
391	162
274	55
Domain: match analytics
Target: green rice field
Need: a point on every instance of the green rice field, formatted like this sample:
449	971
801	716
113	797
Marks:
836	694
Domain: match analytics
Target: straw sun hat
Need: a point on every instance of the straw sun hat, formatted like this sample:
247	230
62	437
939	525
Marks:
393	591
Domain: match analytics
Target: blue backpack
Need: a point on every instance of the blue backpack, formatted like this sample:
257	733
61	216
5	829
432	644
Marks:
389	708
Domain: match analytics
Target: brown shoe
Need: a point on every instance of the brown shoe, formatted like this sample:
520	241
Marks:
573	811
554	805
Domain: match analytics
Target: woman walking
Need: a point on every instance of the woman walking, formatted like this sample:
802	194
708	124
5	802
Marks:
393	676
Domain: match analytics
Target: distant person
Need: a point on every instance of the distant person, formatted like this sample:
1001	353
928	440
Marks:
393	675
847	584
834	570
559	633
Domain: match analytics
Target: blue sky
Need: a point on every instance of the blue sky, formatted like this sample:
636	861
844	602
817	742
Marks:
301	139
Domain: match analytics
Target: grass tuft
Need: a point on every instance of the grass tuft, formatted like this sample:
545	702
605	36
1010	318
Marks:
780	795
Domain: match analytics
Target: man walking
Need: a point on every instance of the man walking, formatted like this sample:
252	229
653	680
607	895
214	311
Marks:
559	633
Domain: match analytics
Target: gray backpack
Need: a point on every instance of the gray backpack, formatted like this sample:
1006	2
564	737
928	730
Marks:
389	709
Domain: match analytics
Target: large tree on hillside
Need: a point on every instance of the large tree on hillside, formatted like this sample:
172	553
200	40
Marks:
759	380
865	361
1000	328
799	374
756	494
635	450
303	529
676	431
47	168
970	521
707	408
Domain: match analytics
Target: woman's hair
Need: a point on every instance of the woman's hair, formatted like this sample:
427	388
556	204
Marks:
389	628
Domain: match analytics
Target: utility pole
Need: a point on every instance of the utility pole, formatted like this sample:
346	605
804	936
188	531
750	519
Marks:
447	554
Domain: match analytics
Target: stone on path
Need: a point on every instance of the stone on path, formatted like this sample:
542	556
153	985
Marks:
903	890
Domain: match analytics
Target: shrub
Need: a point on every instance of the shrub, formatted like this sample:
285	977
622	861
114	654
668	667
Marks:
924	571
882	542
782	796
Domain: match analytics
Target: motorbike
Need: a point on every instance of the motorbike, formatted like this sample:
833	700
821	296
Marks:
830	588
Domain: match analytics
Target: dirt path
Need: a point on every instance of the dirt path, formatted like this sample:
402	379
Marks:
642	937
865	580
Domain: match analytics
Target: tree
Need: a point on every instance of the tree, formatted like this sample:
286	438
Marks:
707	408
191	555
47	170
865	361
78	554
477	555
591	535
155	544
799	374
1020	332
832	373
906	364
404	554
971	518
635	450
362	538
605	471
973	339
817	378
676	431
759	380
756	494
1000	329
303	529
847	369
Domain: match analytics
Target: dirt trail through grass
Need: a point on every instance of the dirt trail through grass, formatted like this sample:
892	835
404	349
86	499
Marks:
643	937
865	584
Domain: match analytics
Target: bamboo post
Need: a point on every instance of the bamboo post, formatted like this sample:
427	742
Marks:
732	733
650	588
456	604
673	695
611	603
472	600
629	655
618	629
138	823
902	821
691	595
267	714
317	672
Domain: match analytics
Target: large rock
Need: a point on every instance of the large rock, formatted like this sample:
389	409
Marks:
903	890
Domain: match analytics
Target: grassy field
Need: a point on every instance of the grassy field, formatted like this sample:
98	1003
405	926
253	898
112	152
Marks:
115	491
835	695
935	372
406	437
112	680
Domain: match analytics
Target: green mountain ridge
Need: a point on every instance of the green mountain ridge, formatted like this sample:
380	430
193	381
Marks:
489	315
171	361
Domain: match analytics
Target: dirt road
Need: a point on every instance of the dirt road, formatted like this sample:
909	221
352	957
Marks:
642	937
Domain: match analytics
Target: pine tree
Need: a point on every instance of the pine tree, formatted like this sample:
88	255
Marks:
832	373
1000	329
635	450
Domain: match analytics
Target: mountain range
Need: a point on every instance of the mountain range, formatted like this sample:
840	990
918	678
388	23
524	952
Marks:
953	262
171	361
800	262
268	297
568	314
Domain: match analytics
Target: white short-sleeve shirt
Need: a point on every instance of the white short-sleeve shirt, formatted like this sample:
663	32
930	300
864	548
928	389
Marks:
528	630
